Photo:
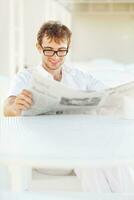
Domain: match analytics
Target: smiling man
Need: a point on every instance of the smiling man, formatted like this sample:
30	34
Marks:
53	42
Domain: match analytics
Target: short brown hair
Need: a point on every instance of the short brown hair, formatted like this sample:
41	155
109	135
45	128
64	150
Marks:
54	30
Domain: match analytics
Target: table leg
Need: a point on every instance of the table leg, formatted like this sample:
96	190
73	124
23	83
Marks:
20	177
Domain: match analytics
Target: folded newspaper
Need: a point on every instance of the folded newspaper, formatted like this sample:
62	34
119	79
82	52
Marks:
53	97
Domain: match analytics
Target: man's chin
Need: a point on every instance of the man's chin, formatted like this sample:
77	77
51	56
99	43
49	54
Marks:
54	67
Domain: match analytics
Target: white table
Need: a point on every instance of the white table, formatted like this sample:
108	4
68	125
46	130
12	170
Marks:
63	196
63	141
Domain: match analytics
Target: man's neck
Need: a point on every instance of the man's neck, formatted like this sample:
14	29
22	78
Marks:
57	74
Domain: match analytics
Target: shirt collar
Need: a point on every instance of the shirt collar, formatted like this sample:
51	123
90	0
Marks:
47	74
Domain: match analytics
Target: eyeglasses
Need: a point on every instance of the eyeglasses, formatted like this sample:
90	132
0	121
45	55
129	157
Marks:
59	53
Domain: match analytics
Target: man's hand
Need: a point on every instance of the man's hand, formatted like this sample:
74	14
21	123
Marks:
15	105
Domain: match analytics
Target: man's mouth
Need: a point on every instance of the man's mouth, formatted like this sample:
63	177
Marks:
54	62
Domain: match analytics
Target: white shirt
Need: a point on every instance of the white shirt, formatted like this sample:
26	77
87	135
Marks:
72	77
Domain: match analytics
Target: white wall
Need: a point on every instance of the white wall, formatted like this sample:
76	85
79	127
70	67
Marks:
4	38
103	36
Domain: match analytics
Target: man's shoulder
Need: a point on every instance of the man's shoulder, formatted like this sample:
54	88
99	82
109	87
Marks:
24	74
26	71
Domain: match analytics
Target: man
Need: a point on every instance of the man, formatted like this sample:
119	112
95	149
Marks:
53	42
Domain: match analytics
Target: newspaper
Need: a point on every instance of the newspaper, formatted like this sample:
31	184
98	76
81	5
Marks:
53	97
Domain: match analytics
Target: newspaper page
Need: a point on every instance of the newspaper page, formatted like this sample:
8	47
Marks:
115	103
126	89
53	97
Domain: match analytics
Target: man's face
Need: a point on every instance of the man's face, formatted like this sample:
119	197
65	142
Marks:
53	62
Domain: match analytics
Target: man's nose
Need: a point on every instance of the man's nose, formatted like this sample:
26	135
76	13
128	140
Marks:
55	55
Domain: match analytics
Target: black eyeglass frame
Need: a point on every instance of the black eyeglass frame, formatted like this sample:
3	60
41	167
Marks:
55	52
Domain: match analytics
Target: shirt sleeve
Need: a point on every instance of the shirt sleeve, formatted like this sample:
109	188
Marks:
93	83
19	82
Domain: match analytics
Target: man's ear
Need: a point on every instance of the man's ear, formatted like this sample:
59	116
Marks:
38	47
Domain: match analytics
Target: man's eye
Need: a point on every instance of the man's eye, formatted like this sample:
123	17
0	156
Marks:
62	51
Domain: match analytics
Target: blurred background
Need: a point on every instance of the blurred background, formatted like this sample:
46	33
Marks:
103	33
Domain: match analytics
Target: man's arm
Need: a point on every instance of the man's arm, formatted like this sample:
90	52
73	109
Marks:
14	105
